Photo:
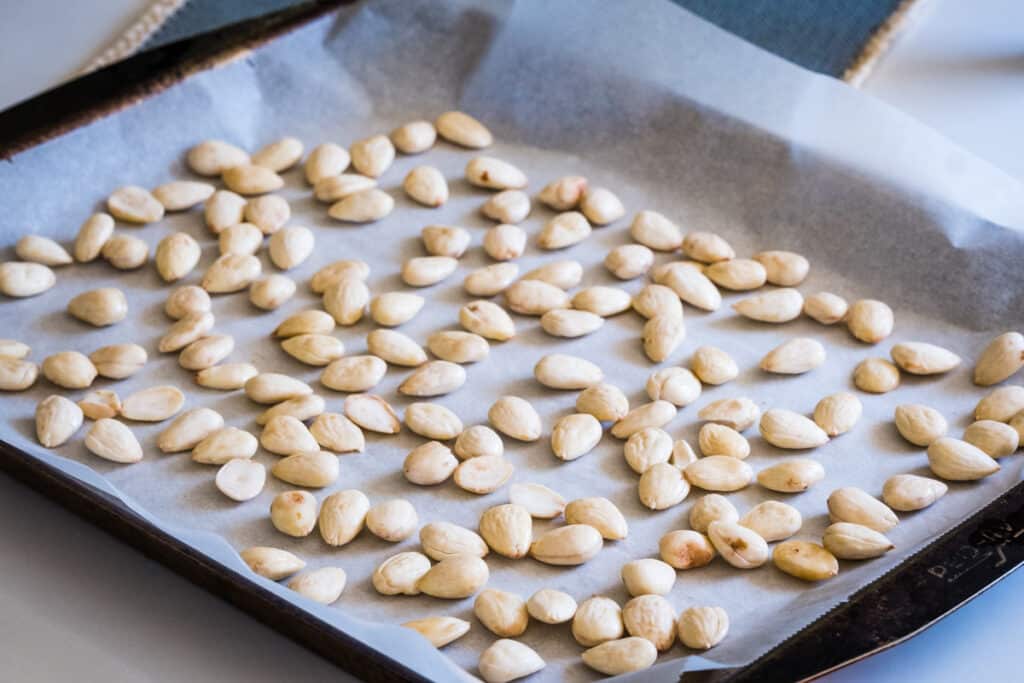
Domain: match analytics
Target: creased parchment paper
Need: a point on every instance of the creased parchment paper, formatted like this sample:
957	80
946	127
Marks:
673	115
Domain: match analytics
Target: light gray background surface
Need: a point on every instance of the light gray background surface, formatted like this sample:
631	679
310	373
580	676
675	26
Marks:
74	603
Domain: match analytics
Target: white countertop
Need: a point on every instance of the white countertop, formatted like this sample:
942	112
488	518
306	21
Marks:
75	604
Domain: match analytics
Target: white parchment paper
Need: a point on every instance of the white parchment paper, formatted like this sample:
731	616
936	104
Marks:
672	114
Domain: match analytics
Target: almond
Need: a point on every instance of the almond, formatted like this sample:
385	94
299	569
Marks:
701	628
222	210
455	578
792	476
997	439
772	520
776	306
39	249
441	540
805	560
848	541
429	464
301	408
502	613
535	297
569	324
188	300
457	346
909	492
561	371
488	320
707	247
741	547
231	273
57	420
240	479
176	256
602	301
1000	360
279	156
551	606
227	377
249	179
440	631
434	378
598	620
373	155
314	349
1001	405
794	357
445	240
336	271
372	413
118	361
354	373
271	563
621	656
714	366
737	413
432	421
334	188
629	261
563	194
739	275
719	473
426	185
826	308
494	174
783	268
335	432
657	300
284	435
415	137
400	574
790	430
710	508
539	500
464	130
92	235
654	230
293	513
68	369
99	307
838	413
851	504
653	414
505	242
18	279
112	440
869	320
346	300
647	577
507	660
692	286
955	460
271	292
189	429
507	529
663	486
564	230
212	157
423	271
652	618
682	454
661	335
604	401
716	439
272	387
876	376
206	352
515	417
241	238
686	549
508	206
483	474
564	274
921	358
313	469
567	545
599	513
322	585
326	160
342	516
364	206
224	445
134	204
601	206
490	280
392	520
477	441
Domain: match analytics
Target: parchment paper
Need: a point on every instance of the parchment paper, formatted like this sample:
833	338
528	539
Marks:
672	114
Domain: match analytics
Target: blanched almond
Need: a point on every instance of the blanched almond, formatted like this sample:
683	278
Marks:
272	387
692	286
719	473
494	174
539	500
848	541
701	628
336	271
284	435
483	474
567	545
99	307
423	271
433	421
462	129
249	179
125	252
301	408
92	235
629	261
921	358
100	404
290	246
334	188
682	453
176	256
224	445
647	576
876	376
222	210
279	156
654	230
794	357
271	292
415	137
441	540
663	486
507	660
653	414
206	352
134	204
314	469
662	335
231	273
505	242
707	247
711	508
271	563
395	348
805	560
455	578
562	371
535	297
1001	359
652	618
909	492
342	516
445	240
189	429
956	460
392	520
564	274
551	606
335	432
373	413
39	249
502	613
838	413
434	378
19	279
1001	405
68	369
575	435
787	429
515	417
508	206
564	230
508	530
400	574
647	448
739	275
476	441
741	547
227	377
737	413
599	513
326	160
686	549
240	479
188	300
655	300
714	366
364	206
604	401
440	631
314	349
323	585
716	439
783	268
293	513
601	206
602	301
772	520
57	420
792	476
241	238
997	439
851	504
598	620
869	320
212	157
488	320
426	185
776	306
112	440
490	280
825	307
346	300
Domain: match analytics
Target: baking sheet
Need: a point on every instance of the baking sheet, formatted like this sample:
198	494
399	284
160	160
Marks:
671	113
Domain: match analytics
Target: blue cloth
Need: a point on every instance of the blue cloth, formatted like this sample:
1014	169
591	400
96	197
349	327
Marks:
820	35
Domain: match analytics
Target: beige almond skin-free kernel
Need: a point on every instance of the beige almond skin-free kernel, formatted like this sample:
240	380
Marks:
414	137
794	357
99	307
791	476
562	371
20	279
535	297
441	540
563	194
597	620
290	246
189	429
372	413
346	300
396	348
678	386
429	464
484	474
602	301
629	261
113	441
445	240
302	408
101	403
271	292
508	660
564	274
686	549
342	516
92	235
494	174
738	275
604	401
790	430
490	280
231	273
550	606
737	413
826	308
313	469
477	441
956	460
57	420
39	249
487	319
335	188
601	206
424	271
125	252
910	492
682	454
392	520
505	242
848	541
876	376
922	358
134	204
154	404
314	349
568	545
838	413
433	378
653	414
805	560
336	271
716	439
710	508
213	157
541	501
222	210
365	206
241	238
713	366
722	473
515	417
271	563
249	179
400	574
323	585
457	346
564	230
870	320
661	336
455	578
279	155
647	448
776	306
240	479
335	432
599	513
433	421
741	547
507	529
206	352
701	628
997	439
692	286
851	504
1000	360
426	185
188	300
772	520
652	618
305	322
707	247
224	445
654	300
622	656
10	348
294	513
226	377
1001	405
324	161
440	631
507	207
462	129
656	231
271	387
284	435
648	576
502	613
176	256
69	369
783	268
662	486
